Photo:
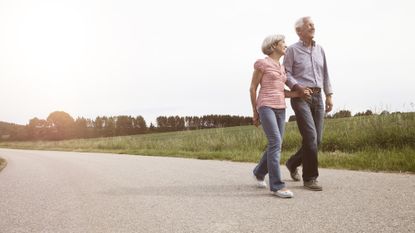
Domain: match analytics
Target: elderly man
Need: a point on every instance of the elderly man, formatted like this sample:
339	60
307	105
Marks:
306	67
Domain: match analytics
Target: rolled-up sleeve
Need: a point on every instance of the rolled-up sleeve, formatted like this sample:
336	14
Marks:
288	65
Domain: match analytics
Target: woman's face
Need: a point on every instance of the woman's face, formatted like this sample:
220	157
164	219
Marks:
280	47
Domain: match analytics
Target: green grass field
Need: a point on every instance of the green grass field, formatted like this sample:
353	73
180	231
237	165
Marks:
376	143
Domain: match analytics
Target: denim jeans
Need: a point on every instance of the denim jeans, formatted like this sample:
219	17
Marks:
309	114
272	121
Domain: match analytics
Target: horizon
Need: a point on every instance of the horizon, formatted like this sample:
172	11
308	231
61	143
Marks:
374	112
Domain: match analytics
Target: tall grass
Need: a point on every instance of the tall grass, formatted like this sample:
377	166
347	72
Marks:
385	142
376	132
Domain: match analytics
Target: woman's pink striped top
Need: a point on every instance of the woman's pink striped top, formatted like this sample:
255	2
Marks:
271	92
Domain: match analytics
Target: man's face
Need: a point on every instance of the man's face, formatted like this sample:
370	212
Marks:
307	30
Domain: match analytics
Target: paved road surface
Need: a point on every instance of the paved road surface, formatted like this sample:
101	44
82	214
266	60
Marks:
43	191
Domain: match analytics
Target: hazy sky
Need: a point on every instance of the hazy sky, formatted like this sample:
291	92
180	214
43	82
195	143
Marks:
187	57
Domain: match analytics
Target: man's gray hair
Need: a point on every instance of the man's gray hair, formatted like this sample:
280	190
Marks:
300	22
269	41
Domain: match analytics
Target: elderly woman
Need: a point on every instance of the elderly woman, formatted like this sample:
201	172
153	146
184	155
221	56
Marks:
269	109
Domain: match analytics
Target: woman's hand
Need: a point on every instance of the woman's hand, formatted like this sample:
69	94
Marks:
300	92
307	92
255	119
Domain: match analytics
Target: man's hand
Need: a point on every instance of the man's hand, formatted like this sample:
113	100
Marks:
329	103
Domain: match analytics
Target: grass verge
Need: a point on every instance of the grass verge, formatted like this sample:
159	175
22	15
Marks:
375	143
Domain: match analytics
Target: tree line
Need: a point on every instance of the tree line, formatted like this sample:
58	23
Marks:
60	125
176	123
347	113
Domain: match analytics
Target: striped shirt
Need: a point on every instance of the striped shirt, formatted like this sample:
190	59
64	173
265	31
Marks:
307	67
271	92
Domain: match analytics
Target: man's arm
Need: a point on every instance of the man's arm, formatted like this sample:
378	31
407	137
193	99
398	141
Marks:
327	85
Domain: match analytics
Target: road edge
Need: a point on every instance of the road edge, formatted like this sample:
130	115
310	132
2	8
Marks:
3	163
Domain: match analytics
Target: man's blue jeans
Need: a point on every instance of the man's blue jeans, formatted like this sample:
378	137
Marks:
309	114
272	121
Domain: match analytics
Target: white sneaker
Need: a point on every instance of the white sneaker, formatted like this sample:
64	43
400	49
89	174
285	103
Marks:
286	193
260	183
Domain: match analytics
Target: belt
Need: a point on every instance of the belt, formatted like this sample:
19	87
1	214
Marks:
315	90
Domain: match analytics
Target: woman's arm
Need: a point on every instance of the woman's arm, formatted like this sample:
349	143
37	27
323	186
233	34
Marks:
297	93
291	94
256	79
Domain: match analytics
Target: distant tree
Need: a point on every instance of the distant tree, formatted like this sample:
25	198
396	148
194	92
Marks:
62	125
162	123
179	123
152	127
140	124
98	123
342	114
124	125
187	122
81	127
11	131
19	133
109	129
171	123
98	127
367	113
207	121
292	118
38	129
196	122
248	121
384	112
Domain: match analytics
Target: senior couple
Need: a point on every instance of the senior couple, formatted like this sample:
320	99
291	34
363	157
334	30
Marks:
304	71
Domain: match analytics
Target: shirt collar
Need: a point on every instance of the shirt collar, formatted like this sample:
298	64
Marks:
313	43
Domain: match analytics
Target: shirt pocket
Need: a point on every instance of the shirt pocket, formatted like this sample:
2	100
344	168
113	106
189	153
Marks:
302	61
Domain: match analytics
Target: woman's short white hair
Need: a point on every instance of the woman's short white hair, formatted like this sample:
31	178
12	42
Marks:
269	41
300	22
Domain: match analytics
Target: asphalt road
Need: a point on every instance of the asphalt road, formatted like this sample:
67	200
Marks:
44	191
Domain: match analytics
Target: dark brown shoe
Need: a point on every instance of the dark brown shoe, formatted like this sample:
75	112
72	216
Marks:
293	173
313	185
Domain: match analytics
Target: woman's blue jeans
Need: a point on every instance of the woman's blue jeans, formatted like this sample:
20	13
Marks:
272	121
